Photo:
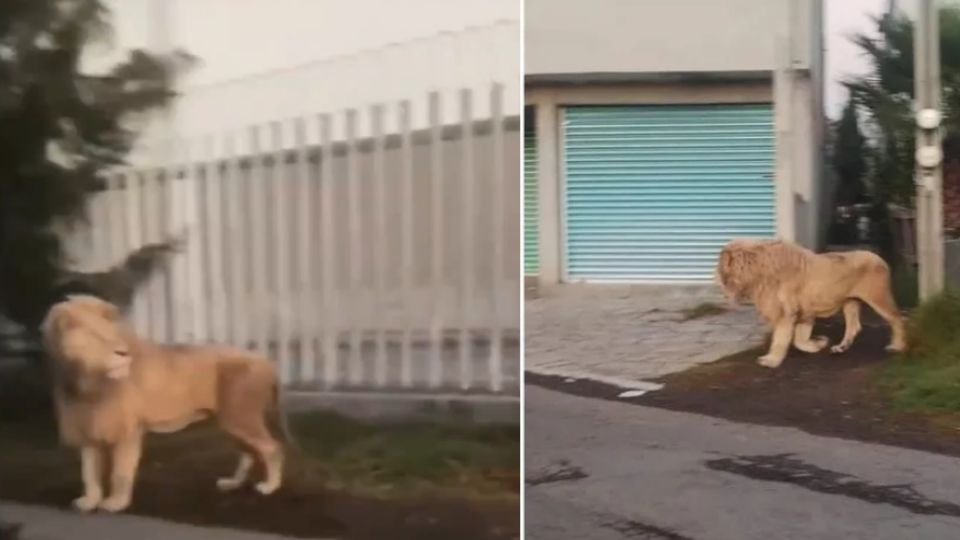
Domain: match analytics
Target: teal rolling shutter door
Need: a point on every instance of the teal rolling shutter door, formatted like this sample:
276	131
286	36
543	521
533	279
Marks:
531	248
653	192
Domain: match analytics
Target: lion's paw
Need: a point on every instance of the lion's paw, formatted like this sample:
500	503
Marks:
228	484
839	348
266	488
895	348
769	361
87	503
114	504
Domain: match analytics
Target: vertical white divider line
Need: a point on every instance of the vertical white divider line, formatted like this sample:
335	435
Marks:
282	300
305	298
466	239
380	235
214	267
497	180
258	223
237	187
354	269
406	243
437	239
331	334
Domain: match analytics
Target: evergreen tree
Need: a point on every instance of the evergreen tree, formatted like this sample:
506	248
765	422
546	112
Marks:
60	130
849	158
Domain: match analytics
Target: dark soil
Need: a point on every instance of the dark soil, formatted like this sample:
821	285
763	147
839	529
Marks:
177	481
837	395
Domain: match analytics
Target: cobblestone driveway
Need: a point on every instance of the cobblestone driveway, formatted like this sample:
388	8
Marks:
630	334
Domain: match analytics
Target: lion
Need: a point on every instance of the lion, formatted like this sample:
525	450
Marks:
110	387
792	286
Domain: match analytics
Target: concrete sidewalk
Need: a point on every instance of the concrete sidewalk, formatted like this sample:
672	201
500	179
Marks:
631	333
44	523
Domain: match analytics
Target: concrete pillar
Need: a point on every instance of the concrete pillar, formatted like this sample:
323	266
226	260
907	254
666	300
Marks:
548	186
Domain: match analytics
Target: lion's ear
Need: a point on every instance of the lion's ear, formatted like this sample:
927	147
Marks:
53	320
98	306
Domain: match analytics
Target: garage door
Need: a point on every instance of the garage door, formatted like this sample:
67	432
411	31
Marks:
653	192
531	248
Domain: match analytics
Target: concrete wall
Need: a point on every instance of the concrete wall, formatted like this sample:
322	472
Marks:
682	51
269	60
631	37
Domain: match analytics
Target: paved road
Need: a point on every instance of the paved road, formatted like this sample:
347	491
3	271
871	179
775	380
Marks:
601	470
627	334
41	523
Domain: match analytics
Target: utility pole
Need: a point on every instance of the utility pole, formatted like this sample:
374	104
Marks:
929	150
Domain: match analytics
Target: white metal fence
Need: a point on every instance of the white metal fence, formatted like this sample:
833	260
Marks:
358	252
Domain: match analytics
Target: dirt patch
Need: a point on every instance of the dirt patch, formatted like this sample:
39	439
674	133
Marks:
704	309
350	480
825	394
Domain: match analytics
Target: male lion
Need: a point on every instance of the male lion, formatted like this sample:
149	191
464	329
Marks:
110	387
792	286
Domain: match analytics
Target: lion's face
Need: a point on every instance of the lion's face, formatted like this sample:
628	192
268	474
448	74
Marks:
735	272
88	344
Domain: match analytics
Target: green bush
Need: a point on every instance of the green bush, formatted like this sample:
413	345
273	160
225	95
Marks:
927	376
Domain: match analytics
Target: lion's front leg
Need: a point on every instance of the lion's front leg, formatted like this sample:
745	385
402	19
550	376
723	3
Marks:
91	471
780	344
126	458
803	341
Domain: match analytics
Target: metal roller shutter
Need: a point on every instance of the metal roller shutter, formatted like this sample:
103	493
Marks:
531	248
653	192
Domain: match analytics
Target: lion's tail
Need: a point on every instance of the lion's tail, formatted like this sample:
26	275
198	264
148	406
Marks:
282	416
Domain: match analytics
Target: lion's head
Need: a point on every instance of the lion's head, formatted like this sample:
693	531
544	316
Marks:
88	343
747	266
737	268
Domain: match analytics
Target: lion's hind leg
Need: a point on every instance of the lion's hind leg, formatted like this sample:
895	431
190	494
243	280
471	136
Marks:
851	325
876	292
243	415
802	340
230	483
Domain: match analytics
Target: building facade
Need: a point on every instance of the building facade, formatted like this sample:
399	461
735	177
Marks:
658	130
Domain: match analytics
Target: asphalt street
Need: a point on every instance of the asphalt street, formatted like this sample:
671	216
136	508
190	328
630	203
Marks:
602	470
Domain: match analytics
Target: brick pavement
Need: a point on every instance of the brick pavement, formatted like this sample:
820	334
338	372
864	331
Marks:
624	334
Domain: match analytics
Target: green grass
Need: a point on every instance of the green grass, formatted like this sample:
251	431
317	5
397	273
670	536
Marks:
927	377
368	455
704	309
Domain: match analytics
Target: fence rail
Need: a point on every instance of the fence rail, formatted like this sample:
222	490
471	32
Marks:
358	258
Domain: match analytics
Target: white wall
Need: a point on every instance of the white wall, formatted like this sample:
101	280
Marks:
662	36
270	60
